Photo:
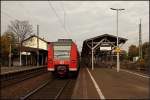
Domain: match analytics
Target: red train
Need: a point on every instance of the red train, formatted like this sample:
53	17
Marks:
63	58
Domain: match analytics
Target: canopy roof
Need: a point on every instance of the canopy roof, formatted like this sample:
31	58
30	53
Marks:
111	38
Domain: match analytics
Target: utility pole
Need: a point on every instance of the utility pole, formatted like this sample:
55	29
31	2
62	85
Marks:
118	60
140	41
10	55
92	56
37	45
20	51
9	50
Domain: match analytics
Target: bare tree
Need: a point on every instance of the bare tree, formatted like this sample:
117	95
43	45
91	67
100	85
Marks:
22	29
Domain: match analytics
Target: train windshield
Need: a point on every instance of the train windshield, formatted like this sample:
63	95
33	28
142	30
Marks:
62	52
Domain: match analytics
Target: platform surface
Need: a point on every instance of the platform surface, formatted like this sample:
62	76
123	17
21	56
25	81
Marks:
12	69
112	84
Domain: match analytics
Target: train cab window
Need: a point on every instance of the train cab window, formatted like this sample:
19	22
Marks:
62	52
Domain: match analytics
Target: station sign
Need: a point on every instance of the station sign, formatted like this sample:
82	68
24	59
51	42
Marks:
105	48
118	50
25	53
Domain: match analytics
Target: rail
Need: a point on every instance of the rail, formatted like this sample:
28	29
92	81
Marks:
15	77
54	88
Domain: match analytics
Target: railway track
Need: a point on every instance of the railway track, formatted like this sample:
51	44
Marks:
54	89
15	78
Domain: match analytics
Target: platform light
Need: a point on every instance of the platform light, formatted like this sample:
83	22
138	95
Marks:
118	61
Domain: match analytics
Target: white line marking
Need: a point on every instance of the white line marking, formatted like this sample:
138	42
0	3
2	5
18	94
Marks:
135	73
96	86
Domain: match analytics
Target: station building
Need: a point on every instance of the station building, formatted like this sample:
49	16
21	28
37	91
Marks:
29	52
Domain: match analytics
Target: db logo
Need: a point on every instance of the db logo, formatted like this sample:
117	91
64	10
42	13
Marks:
61	62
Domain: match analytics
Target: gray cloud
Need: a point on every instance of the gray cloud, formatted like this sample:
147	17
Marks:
84	19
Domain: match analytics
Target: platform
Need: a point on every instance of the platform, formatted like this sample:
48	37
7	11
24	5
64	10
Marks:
6	70
111	84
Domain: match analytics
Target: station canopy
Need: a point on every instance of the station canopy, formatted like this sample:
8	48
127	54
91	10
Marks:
105	40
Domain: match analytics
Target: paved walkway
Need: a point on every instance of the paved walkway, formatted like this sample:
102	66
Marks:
121	85
84	88
111	84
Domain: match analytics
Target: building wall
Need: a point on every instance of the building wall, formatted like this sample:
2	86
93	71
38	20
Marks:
32	42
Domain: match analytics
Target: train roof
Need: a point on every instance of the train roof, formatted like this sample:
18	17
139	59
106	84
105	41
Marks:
63	42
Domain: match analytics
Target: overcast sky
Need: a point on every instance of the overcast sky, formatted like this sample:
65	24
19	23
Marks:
79	20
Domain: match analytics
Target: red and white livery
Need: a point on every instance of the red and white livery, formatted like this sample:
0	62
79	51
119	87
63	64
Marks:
63	57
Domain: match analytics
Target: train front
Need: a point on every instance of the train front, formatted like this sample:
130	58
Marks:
64	58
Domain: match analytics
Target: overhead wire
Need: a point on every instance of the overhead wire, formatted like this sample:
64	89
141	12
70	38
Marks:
65	16
22	6
8	15
29	15
54	10
59	19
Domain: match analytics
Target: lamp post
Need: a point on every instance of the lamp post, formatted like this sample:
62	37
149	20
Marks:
9	37
9	54
37	45
118	61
